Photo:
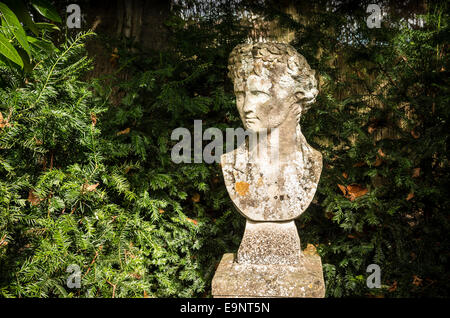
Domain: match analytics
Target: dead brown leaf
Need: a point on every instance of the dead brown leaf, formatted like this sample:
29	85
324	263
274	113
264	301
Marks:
33	199
89	187
416	172
393	287
417	281
114	57
310	250
193	221
378	162
3	241
124	132
195	198
4	122
93	119
410	196
353	191
343	189
38	142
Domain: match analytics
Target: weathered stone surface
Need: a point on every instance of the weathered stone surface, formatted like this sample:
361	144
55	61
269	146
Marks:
260	196
272	176
269	243
247	280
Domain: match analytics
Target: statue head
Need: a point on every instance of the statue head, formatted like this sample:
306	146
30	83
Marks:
272	83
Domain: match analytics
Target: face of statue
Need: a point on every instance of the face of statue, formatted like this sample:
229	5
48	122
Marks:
265	101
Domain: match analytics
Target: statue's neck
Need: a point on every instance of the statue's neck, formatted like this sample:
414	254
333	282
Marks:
276	147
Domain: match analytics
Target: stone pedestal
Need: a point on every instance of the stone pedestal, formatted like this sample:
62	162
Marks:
269	243
234	280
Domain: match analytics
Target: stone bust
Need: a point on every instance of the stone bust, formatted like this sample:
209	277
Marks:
271	177
274	86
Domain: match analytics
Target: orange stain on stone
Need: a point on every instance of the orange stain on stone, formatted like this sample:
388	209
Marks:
241	187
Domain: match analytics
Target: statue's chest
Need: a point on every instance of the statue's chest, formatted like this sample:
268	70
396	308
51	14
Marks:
265	194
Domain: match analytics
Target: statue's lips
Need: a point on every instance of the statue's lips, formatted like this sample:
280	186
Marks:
251	118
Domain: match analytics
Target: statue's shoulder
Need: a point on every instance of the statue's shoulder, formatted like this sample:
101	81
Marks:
228	158
235	159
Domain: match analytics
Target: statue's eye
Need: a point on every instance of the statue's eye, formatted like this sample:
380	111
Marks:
259	93
300	95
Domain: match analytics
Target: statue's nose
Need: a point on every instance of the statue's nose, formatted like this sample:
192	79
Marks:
310	97
249	106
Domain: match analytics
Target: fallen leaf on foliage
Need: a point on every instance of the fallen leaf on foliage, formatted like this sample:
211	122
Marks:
124	132
351	236
114	57
379	159
393	287
91	187
38	142
93	119
3	241
410	196
136	275
359	164
378	162
417	281
161	211
33	199
371	129
195	198
310	250
343	189
193	221
345	175
4	122
356	191
353	191
416	172
415	134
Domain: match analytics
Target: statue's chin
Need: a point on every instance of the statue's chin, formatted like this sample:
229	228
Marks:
257	127
253	126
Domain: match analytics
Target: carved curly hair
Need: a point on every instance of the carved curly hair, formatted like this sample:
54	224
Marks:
246	59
